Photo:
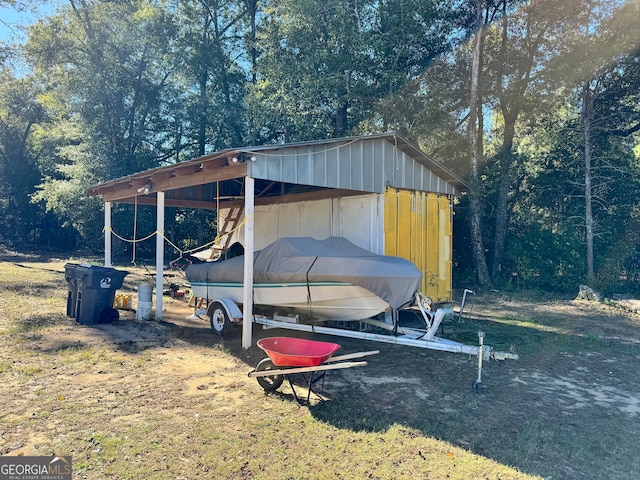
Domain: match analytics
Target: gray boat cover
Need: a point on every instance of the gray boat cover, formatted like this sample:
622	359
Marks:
305	259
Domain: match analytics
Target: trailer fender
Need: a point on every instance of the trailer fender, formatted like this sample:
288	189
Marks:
233	311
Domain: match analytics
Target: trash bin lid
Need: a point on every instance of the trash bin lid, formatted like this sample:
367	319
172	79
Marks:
97	277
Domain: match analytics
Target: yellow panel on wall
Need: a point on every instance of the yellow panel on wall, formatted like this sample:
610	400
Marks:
405	221
391	223
444	251
417	226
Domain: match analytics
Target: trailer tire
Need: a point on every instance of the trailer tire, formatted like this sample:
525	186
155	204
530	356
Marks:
272	382
218	318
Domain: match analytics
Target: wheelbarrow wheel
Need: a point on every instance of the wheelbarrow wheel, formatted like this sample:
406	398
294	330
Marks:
270	382
219	318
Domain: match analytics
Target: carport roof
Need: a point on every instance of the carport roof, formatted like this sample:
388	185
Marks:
289	172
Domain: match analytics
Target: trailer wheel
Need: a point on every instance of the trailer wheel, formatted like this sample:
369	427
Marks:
269	383
218	318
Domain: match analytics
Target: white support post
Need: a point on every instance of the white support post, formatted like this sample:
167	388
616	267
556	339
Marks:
247	295
159	253
107	234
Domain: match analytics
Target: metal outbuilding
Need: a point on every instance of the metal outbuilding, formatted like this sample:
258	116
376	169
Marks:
380	191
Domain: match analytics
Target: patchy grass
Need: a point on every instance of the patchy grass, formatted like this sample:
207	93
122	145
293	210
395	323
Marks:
170	399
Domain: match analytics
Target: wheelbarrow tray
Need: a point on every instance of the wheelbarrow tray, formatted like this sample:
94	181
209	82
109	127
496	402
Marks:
297	352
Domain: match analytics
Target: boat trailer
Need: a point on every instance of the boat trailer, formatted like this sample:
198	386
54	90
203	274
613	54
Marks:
398	335
223	311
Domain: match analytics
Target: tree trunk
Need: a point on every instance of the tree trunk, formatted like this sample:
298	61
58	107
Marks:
203	83
504	159
502	207
587	114
342	120
252	9
475	142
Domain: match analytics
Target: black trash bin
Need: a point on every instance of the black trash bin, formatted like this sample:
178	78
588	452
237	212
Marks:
94	290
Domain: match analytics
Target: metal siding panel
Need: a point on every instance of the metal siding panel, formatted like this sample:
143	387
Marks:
424	241
289	220
364	165
274	167
426	181
259	168
391	169
355	219
369	159
421	262
397	171
332	164
402	171
417	175
379	158
319	169
433	234
446	260
303	169
344	171
315	219
266	226
421	223
388	167
357	167
391	222
410	177
413	230
405	200
288	170
377	223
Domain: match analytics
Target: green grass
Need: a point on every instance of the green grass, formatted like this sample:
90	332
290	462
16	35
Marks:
128	414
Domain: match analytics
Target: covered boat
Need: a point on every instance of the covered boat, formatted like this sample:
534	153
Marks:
330	279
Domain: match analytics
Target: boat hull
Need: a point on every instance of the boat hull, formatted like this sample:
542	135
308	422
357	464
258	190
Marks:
320	300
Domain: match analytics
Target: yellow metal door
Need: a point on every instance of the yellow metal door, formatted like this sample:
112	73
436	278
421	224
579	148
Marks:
417	226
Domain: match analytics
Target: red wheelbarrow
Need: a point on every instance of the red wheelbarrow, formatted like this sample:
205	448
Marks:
289	356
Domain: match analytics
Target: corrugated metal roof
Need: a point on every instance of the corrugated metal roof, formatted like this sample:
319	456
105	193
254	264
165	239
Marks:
357	164
364	163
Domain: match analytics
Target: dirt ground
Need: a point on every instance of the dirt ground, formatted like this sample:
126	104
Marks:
568	408
571	385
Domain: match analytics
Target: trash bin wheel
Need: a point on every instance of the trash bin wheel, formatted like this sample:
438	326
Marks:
109	315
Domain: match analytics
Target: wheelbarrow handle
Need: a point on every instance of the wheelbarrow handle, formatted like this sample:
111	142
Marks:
350	356
288	371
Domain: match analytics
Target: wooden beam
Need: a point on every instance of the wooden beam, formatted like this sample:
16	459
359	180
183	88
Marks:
176	201
166	180
307	196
